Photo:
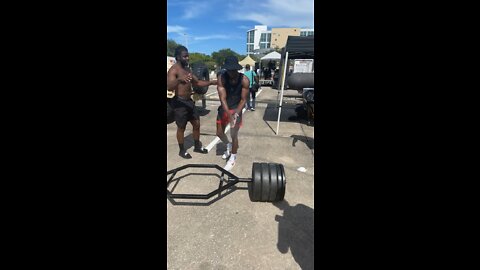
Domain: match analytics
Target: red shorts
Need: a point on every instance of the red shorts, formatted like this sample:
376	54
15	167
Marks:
223	119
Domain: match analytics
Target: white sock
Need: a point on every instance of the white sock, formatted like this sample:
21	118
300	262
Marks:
229	146
233	157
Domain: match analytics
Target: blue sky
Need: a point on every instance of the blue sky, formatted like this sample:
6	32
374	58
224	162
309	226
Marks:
206	26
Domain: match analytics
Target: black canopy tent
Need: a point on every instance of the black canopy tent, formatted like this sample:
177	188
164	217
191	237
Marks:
296	48
299	47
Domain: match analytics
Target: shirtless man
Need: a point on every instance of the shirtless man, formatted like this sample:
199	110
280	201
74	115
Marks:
180	79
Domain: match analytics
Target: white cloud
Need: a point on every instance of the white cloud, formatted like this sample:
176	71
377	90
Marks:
176	29
273	13
195	9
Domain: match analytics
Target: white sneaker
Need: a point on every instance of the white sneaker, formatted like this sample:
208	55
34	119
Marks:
227	153
230	165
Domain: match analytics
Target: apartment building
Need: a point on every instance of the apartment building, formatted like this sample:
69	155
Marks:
260	38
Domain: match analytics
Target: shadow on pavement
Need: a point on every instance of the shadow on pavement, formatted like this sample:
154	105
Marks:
310	142
220	148
271	112
188	140
189	143
301	116
202	112
290	113
296	232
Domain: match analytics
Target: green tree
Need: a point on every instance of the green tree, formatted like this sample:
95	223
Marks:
171	46
199	57
277	49
211	65
255	58
219	57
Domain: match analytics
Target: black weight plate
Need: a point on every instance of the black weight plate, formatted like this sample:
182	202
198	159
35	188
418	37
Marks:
200	90
265	182
255	187
274	181
282	183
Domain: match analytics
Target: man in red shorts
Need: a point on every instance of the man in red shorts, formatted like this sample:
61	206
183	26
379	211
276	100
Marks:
233	89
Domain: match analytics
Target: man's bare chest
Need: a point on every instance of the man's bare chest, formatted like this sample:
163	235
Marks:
183	72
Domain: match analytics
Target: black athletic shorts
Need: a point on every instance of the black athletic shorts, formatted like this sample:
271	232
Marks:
184	111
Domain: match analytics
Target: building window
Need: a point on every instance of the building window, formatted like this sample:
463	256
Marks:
250	36
264	45
306	33
249	48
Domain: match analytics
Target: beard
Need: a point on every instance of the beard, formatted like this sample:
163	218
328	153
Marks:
184	64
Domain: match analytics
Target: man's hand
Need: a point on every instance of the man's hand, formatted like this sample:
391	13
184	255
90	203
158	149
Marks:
185	79
214	82
233	119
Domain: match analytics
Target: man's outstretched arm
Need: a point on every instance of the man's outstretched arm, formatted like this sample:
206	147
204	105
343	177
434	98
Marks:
201	83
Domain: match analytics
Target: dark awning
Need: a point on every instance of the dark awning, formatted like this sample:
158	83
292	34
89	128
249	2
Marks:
299	48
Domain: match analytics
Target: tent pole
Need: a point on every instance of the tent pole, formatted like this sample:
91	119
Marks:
283	86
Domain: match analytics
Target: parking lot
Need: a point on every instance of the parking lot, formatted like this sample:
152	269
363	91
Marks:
230	231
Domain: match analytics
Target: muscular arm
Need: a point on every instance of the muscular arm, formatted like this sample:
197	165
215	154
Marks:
201	83
245	92
222	94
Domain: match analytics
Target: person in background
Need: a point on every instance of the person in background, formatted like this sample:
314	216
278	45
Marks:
290	72
276	78
253	78
266	73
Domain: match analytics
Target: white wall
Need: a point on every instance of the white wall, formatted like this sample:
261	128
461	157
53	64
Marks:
170	62
259	29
